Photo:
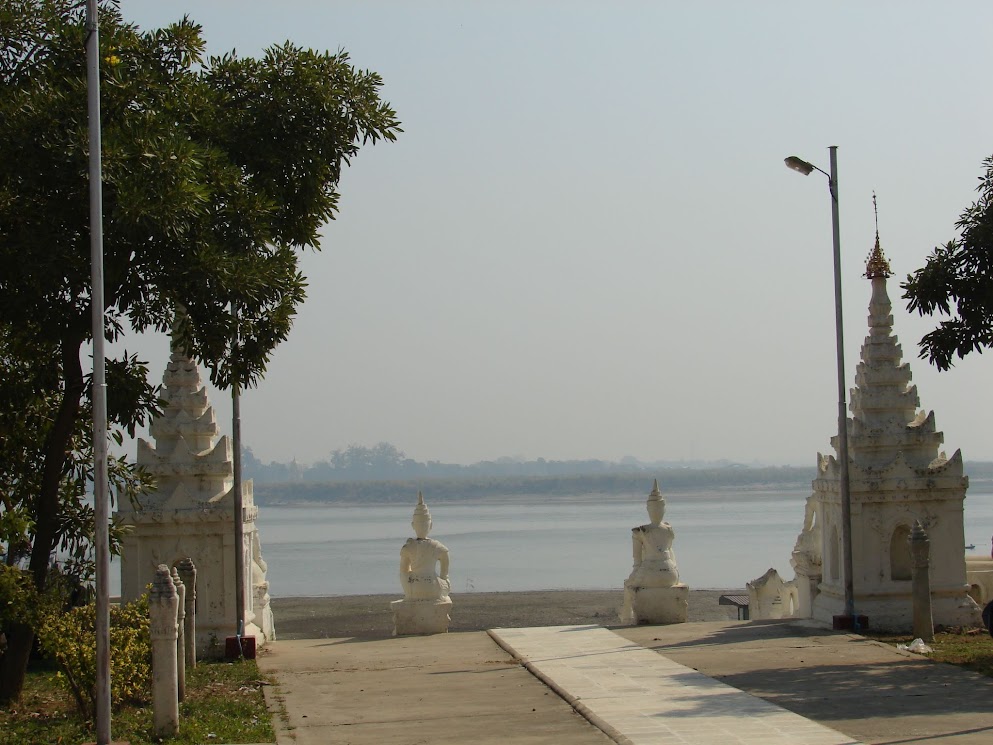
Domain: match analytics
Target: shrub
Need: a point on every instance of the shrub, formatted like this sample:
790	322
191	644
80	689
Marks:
21	603
70	640
18	599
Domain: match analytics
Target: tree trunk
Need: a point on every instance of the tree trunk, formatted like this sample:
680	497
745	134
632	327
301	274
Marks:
14	663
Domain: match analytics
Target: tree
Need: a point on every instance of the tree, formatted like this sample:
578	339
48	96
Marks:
957	281
216	174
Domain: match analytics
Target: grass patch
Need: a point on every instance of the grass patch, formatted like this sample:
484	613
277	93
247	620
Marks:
223	699
971	649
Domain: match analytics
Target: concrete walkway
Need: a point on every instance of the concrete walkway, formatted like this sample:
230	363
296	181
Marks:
453	689
866	689
761	679
639	697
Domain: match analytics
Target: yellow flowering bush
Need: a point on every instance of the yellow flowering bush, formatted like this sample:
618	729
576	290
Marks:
70	640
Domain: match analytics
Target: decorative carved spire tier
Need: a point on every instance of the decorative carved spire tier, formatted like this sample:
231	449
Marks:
888	434
189	467
877	265
187	413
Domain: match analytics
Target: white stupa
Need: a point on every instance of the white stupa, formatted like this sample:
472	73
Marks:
191	514
897	476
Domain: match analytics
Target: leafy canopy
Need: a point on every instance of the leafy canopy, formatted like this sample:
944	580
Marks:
957	281
216	173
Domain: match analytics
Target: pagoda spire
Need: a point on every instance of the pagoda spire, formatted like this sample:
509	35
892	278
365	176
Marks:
877	265
187	413
187	451
886	420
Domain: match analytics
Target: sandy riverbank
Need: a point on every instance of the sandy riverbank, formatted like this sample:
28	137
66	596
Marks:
368	616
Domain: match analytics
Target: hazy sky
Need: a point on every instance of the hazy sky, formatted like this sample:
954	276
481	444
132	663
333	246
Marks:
586	244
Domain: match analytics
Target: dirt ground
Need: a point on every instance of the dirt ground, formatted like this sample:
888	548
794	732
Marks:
369	616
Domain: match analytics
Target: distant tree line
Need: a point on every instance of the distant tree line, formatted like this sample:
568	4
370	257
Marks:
385	462
383	473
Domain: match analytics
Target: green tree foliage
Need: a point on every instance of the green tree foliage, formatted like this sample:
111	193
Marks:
28	408
957	282
216	173
19	600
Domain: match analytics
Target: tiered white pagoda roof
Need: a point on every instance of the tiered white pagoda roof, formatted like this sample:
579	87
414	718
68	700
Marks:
190	468
891	443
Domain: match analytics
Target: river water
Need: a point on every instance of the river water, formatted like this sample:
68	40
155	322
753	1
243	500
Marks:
723	539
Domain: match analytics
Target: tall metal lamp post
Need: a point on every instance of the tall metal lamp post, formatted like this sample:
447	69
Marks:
101	486
849	619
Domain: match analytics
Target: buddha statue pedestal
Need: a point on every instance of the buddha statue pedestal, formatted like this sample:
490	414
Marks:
655	605
412	617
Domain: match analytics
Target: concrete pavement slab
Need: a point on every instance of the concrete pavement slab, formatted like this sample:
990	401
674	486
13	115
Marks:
866	689
447	688
643	698
462	688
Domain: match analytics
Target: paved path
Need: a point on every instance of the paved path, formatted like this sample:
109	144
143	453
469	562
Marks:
640	697
864	688
791	678
449	689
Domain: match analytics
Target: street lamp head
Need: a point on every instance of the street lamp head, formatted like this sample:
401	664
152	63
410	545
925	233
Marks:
799	165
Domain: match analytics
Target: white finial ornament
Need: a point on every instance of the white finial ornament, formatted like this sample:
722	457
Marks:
422	518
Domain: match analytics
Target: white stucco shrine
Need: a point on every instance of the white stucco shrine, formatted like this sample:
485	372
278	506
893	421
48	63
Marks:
897	475
190	514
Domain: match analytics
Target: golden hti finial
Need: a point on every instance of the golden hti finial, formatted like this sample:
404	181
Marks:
877	265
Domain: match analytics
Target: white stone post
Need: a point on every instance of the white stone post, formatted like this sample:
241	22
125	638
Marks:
188	571
180	635
920	552
163	605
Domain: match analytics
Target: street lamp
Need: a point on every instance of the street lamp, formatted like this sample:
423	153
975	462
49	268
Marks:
849	620
101	485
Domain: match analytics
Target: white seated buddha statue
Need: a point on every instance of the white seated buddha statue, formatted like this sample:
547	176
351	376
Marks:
419	558
424	577
652	592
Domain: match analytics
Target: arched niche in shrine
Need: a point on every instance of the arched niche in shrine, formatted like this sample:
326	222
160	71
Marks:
900	566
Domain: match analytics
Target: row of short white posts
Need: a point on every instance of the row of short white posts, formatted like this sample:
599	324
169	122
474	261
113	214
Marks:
172	616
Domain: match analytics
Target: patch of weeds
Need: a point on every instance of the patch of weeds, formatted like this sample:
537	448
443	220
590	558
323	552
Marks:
971	649
45	714
223	699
